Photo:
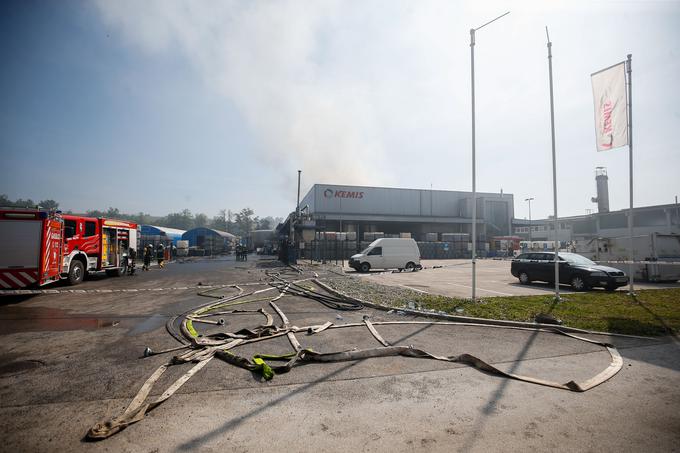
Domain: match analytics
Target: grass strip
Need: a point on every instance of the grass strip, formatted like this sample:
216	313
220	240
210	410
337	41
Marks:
652	312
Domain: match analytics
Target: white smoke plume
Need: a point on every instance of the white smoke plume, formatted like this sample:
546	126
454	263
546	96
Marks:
315	81
377	92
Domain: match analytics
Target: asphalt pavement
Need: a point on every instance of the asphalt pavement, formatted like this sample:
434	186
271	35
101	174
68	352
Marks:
69	360
453	278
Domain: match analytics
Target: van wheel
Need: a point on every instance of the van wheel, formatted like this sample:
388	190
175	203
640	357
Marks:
524	278
365	267
410	266
76	272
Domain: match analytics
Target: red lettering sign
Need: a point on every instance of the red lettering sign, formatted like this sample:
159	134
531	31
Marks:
607	128
328	193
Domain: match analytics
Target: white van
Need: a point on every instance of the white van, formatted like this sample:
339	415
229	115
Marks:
388	253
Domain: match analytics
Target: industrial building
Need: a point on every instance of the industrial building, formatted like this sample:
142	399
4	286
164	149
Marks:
337	221
419	212
155	234
209	241
262	240
662	219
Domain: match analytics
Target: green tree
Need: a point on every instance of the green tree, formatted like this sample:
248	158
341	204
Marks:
266	223
219	222
27	203
244	221
141	218
230	225
95	213
181	220
200	220
269	223
49	204
113	213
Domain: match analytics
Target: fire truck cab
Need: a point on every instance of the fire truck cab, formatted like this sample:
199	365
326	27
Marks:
92	244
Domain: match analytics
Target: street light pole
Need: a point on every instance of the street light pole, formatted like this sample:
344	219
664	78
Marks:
474	172
529	200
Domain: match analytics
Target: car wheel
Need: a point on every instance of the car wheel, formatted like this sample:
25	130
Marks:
578	283
76	272
524	278
365	267
410	266
610	288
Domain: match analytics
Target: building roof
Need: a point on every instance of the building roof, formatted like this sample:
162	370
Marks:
152	229
592	215
224	234
409	204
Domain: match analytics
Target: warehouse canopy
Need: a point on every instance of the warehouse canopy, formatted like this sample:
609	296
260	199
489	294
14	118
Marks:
202	231
171	233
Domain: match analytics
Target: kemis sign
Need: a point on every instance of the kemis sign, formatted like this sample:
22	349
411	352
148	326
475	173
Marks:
330	193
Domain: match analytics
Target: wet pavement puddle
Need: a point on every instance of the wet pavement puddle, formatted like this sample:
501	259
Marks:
19	367
44	319
14	319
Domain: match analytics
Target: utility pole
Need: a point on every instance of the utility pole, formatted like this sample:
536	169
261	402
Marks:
474	169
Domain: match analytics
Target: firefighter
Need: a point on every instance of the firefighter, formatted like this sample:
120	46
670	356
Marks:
160	256
148	251
132	255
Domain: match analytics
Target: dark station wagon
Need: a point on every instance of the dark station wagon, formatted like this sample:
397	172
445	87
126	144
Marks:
575	270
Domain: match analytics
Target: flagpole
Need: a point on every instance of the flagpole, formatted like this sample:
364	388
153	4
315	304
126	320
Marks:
631	269
474	172
554	169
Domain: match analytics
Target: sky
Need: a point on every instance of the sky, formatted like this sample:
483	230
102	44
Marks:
162	105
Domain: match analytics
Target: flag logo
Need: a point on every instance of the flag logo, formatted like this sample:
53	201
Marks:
611	102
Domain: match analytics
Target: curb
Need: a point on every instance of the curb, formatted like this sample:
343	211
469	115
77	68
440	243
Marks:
471	320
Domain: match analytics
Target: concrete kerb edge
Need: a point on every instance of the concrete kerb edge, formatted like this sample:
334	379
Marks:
471	320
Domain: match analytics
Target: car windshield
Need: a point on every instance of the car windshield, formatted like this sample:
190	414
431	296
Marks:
573	258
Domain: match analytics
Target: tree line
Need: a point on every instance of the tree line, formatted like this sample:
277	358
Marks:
27	203
237	223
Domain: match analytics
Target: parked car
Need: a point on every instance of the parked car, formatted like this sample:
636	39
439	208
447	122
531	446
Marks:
388	253
575	270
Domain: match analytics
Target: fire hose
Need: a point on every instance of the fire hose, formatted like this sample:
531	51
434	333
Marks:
203	348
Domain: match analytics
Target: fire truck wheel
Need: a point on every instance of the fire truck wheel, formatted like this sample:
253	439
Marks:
76	272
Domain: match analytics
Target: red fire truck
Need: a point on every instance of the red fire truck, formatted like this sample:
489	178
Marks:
39	247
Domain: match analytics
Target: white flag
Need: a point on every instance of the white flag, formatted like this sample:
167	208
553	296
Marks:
611	109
